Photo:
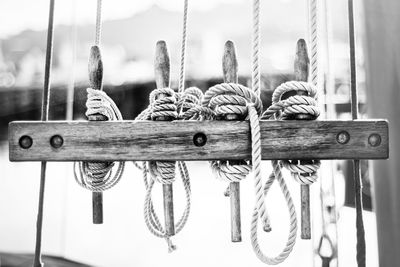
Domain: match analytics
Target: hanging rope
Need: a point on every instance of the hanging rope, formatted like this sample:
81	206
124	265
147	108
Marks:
181	86
255	70
164	172
356	163
98	23
313	26
37	262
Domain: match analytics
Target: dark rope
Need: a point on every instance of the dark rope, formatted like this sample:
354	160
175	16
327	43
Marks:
44	117
356	163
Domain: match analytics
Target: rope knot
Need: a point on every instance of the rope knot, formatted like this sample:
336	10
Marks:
189	102
99	176
162	171
303	173
230	172
163	106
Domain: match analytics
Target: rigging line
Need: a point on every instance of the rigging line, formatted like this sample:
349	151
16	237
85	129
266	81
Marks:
181	86
356	163
44	117
98	23
255	71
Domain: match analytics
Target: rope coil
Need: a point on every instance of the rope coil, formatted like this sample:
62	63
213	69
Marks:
99	176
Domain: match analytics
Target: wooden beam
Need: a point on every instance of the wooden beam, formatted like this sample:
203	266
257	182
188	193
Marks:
229	140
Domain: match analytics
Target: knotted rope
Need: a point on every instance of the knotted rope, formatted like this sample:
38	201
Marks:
164	172
304	174
224	99
99	176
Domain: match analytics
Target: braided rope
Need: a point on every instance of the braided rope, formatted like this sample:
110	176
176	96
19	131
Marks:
181	86
255	71
164	172
313	25
99	176
98	23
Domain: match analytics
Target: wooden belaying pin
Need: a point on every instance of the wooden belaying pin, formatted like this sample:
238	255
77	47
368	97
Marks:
301	70
161	73
230	73
96	82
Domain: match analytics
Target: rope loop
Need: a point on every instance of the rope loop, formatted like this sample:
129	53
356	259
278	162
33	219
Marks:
305	174
165	106
99	176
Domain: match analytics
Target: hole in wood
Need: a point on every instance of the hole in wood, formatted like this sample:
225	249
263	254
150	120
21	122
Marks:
25	142
199	139
56	141
343	137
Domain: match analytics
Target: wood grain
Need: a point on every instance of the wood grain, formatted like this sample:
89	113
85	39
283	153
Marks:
230	140
95	69
161	74
230	73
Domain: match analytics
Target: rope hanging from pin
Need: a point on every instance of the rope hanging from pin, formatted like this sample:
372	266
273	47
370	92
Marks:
98	176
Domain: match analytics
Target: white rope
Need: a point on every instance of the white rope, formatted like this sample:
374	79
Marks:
255	71
313	25
99	176
181	86
98	23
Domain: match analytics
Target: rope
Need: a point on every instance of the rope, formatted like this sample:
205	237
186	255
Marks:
181	86
164	172
98	23
304	174
313	24
99	176
37	262
361	255
255	72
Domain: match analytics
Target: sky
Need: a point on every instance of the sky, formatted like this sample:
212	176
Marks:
18	15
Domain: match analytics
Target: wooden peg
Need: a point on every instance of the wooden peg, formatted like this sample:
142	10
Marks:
161	73
301	70
230	73
96	82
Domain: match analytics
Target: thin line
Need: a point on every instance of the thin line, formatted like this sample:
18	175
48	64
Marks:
356	163
37	262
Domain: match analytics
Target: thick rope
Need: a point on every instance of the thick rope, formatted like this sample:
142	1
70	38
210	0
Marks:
164	172
304	174
99	176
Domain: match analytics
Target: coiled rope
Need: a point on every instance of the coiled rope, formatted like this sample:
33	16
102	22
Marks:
99	176
164	172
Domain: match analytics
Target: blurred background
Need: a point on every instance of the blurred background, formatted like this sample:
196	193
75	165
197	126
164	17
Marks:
130	31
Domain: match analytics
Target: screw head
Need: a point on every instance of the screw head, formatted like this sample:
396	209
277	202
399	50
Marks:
25	142
199	139
56	141
343	137
374	140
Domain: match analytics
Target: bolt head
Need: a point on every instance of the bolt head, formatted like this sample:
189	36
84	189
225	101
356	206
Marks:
25	142
199	139
374	140
56	141
343	137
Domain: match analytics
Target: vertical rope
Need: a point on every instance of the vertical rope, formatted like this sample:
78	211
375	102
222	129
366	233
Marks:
183	48
356	163
37	262
98	23
313	24
255	71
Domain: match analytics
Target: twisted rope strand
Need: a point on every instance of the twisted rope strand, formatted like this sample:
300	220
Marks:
255	70
99	176
181	86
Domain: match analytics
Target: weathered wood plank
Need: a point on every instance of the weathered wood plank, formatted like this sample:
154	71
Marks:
230	140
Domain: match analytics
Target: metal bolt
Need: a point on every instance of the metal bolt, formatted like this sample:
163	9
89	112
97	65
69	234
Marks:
56	141
343	137
374	140
25	142
199	139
